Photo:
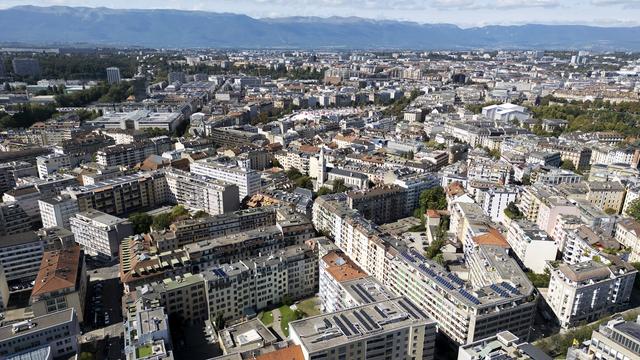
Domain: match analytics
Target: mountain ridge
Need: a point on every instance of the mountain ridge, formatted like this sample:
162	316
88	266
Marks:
197	29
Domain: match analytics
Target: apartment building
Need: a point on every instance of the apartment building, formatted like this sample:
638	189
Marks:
182	296
532	246
10	172
553	176
344	285
392	329
587	291
628	234
608	196
503	345
616	340
124	195
61	283
247	180
199	192
462	313
57	332
98	233
57	211
245	287
147	330
495	200
193	230
583	244
134	153
27	198
497	172
20	256
579	156
381	205
48	164
412	184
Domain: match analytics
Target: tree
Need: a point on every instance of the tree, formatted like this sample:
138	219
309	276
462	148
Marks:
162	221
568	165
141	222
433	198
610	211
634	209
276	163
200	214
512	212
293	173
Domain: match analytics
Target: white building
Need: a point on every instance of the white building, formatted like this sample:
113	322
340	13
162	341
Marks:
113	75
587	291
496	200
59	332
532	245
367	332
504	346
20	256
139	120
202	193
99	233
247	180
48	164
506	112
57	211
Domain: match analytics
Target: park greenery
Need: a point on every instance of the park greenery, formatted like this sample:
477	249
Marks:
338	187
26	115
103	92
142	222
512	212
634	209
299	179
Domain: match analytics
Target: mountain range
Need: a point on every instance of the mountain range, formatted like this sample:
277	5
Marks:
198	29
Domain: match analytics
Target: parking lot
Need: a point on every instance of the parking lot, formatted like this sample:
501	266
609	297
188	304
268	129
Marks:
103	303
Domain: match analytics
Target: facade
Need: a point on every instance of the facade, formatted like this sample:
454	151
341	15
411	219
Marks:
48	164
132	154
381	204
99	233
57	211
392	329
628	234
587	291
61	283
140	120
198	192
13	219
113	75
124	195
496	200
531	245
10	172
26	197
59	331
606	195
616	340
20	256
243	288
247	180
147	331
182	296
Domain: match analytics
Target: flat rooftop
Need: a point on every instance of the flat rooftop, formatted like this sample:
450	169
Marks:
38	324
371	320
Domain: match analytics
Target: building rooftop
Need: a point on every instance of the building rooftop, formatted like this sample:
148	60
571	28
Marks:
59	271
335	329
342	268
36	324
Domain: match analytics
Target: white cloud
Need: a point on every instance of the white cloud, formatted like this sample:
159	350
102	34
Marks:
624	3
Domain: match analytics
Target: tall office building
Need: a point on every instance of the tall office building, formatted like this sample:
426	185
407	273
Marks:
247	180
26	67
57	211
113	75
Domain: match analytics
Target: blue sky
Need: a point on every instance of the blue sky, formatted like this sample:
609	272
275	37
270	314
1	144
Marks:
461	12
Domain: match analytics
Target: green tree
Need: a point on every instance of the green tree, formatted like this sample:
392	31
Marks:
293	173
634	209
200	214
512	212
162	221
568	165
433	198
141	222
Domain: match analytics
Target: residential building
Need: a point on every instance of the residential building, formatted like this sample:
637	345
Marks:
587	291
123	195
202	193
20	256
532	246
98	233
140	120
13	220
57	211
59	331
243	288
147	333
392	329
61	283
48	164
10	172
381	205
616	340
608	196
26	197
496	200
132	154
628	234
247	180
504	345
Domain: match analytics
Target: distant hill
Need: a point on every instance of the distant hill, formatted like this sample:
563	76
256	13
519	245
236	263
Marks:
180	29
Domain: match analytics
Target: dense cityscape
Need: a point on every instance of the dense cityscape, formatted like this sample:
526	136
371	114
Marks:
319	204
